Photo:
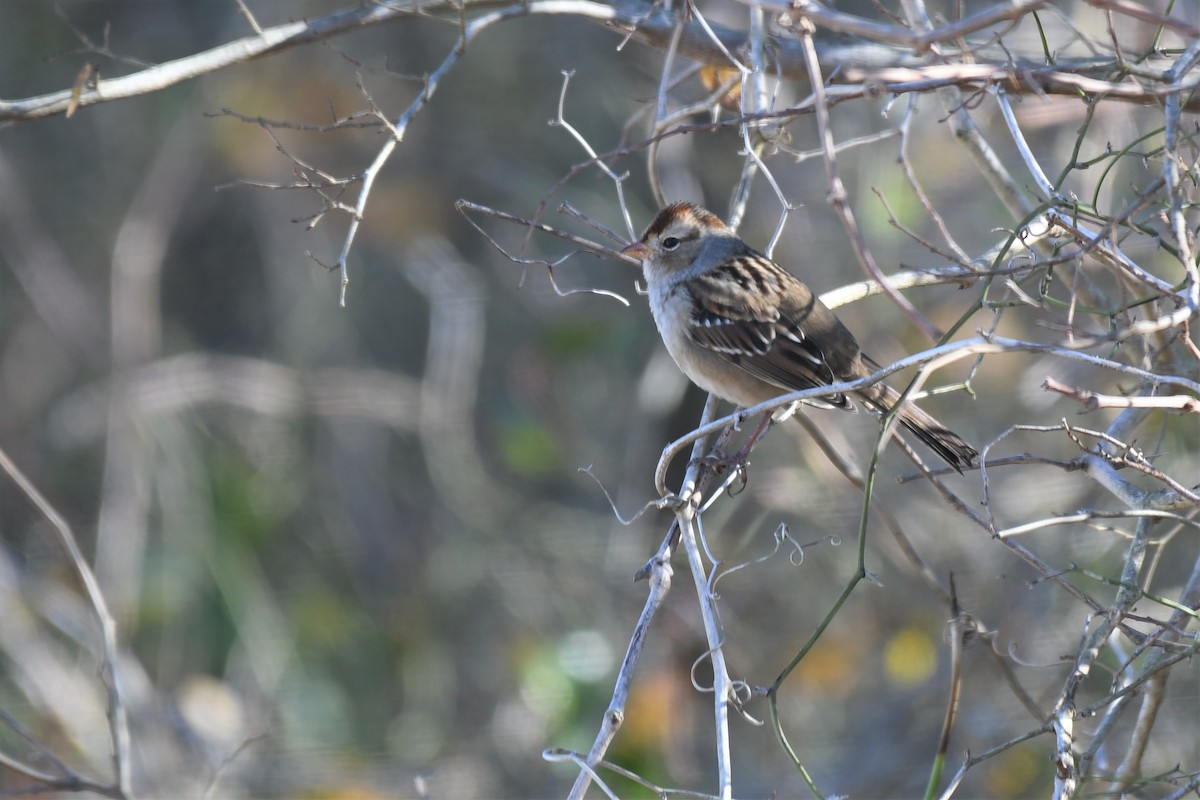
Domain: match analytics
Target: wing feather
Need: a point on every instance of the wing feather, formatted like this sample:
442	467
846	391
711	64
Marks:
735	318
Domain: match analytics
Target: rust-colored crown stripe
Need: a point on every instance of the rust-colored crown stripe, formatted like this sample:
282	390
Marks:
689	212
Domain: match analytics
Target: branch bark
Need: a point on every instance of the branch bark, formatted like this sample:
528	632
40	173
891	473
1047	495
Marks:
867	64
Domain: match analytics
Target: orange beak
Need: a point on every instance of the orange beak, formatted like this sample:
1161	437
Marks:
637	251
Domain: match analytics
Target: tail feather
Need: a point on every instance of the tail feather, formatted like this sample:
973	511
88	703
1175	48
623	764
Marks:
949	446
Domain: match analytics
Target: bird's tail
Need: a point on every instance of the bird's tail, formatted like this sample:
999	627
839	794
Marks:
949	446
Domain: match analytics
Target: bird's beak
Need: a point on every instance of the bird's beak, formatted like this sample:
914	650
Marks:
637	251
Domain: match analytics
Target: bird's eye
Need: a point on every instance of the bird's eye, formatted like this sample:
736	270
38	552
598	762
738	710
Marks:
670	243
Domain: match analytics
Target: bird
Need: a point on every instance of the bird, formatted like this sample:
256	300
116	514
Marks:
745	329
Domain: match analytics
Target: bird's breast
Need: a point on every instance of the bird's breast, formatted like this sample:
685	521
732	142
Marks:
672	309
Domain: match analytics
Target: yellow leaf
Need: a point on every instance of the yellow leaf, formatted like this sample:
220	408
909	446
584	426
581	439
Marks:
714	78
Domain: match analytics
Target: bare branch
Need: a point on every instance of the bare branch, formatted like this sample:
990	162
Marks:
117	714
838	199
918	43
895	70
1092	401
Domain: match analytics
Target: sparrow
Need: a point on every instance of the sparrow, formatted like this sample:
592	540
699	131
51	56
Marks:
747	330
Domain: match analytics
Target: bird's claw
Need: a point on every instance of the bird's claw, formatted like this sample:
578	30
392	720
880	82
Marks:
722	463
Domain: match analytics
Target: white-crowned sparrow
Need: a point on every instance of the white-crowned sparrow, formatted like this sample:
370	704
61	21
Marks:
746	330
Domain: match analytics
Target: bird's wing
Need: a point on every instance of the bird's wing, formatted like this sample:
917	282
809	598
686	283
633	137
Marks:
742	316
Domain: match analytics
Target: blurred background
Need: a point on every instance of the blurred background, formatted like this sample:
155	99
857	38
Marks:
351	552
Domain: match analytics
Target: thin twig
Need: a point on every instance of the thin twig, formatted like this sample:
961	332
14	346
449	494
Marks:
1091	401
117	715
838	195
